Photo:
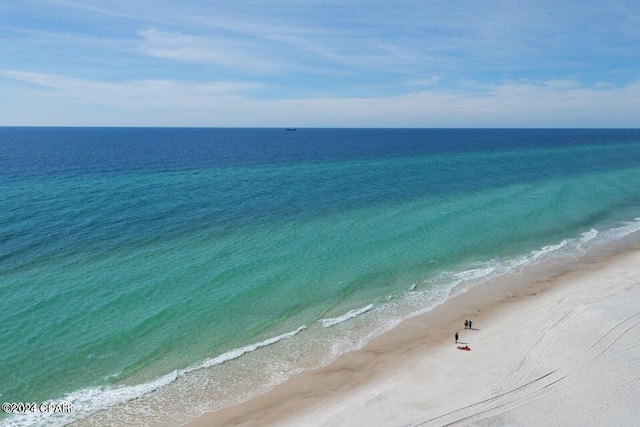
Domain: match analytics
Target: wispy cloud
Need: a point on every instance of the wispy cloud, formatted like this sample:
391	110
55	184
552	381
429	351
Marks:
429	81
205	50
104	8
183	103
35	78
142	92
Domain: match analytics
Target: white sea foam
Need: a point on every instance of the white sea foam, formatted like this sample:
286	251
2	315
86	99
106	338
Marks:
349	315
475	273
546	250
460	282
618	233
234	354
90	400
589	236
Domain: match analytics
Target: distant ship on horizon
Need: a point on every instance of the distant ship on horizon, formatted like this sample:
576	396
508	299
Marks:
290	129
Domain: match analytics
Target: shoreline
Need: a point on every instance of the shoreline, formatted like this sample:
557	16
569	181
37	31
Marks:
343	389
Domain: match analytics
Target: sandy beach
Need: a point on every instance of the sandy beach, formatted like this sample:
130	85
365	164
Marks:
559	350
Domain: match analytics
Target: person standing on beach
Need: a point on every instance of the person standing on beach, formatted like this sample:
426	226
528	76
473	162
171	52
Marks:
470	322
466	324
456	337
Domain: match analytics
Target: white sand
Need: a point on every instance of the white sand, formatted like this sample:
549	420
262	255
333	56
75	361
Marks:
565	354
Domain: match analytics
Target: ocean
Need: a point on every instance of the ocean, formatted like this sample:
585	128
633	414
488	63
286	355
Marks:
164	272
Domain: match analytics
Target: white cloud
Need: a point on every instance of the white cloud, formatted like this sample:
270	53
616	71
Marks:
131	102
35	78
562	83
184	103
222	51
430	81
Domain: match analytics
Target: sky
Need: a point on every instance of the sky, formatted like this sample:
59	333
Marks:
322	63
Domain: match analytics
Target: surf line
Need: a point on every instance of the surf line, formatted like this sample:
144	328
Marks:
349	315
94	399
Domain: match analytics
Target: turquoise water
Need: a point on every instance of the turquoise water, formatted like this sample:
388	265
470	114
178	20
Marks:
142	265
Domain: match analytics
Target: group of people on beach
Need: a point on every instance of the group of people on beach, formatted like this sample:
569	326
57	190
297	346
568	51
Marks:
467	325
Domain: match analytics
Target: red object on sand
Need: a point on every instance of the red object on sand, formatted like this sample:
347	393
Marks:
466	347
